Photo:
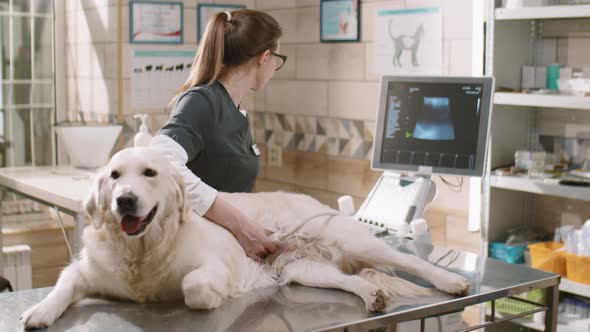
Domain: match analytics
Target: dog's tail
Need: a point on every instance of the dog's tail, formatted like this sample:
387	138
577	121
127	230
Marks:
393	286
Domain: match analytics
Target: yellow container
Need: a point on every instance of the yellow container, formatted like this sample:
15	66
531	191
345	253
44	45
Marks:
578	268
544	256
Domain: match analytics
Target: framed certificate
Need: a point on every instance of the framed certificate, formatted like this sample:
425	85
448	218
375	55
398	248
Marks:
339	20
155	22
206	10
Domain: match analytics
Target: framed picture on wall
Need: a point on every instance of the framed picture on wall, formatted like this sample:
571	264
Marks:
206	10
339	20
155	22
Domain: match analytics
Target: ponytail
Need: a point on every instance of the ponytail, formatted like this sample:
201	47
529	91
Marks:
230	40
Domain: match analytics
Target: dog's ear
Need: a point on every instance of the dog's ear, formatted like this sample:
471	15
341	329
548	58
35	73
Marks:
180	196
97	202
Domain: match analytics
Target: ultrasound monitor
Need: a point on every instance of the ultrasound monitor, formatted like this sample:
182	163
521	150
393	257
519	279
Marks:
425	126
433	125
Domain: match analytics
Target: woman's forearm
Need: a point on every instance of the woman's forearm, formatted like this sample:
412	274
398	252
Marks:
224	214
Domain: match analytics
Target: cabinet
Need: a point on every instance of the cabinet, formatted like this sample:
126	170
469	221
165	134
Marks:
520	121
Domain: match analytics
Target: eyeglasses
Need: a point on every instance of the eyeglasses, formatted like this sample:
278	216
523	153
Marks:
282	60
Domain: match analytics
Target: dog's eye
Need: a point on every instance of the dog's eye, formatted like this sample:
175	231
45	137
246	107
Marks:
150	173
115	175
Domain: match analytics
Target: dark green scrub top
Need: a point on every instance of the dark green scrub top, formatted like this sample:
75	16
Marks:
216	136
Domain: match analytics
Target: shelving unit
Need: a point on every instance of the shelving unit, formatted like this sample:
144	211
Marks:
536	100
573	287
541	327
547	12
539	186
514	39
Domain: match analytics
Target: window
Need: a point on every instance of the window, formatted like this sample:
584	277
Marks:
27	99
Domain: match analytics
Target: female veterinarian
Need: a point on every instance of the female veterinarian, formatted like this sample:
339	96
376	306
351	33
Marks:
207	135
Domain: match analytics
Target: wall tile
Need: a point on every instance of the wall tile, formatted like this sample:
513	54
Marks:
307	3
274	4
125	27
308	24
460	57
446	63
330	61
72	94
370	73
368	12
82	32
457	16
300	25
98	68
458	236
102	19
190	26
71	20
449	199
296	97
111	65
302	168
71	5
287	18
248	103
288	70
248	3
324	196
260	100
353	100
85	60
352	177
70	60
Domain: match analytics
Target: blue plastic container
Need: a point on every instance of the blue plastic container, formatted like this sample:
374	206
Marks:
508	254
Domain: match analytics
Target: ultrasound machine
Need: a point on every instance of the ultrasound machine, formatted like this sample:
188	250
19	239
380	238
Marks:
425	126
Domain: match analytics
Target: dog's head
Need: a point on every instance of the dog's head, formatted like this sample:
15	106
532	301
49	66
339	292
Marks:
136	188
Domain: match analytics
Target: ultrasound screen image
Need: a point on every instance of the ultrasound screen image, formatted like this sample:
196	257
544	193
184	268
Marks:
432	124
434	121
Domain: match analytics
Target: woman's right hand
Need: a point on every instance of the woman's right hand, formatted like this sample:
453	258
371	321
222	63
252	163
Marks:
253	238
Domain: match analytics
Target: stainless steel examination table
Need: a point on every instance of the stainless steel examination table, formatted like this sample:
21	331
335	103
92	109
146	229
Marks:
298	308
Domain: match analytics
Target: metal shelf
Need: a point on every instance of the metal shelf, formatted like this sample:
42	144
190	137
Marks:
541	327
573	287
546	12
538	186
535	100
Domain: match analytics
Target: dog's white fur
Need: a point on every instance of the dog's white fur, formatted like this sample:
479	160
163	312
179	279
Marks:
180	255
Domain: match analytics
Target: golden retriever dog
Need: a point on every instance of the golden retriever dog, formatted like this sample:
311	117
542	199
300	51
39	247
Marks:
147	245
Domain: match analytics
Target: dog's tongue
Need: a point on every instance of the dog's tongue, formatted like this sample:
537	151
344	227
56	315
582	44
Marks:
130	224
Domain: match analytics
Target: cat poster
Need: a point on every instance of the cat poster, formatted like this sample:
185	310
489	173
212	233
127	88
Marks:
408	41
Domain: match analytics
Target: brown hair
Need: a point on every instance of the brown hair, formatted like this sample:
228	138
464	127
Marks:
231	43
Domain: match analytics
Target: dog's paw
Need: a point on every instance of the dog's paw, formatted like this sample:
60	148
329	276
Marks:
202	296
377	301
451	283
39	316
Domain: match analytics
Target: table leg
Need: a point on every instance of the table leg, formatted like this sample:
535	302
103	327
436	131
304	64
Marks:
392	327
552	296
2	194
78	229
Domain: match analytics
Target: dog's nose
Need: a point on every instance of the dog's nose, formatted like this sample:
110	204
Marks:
127	203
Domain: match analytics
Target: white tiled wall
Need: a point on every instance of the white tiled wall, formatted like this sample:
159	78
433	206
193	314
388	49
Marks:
352	63
91	67
338	80
334	80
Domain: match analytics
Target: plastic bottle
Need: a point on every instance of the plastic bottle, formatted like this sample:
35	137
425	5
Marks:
143	137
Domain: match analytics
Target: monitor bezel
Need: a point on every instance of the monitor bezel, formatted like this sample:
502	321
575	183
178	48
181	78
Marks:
483	135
